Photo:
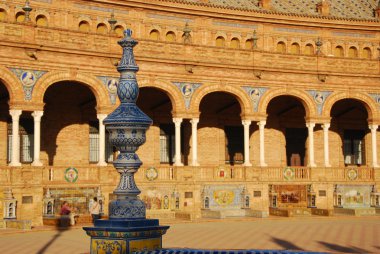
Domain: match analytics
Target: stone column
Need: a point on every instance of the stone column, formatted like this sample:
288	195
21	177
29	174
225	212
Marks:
246	124
310	127
15	161
37	137
194	122
102	138
177	122
326	127
373	128
261	125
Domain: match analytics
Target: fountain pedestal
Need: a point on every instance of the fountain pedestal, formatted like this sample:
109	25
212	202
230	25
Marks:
127	230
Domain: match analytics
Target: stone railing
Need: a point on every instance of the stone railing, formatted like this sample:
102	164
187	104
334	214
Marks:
178	52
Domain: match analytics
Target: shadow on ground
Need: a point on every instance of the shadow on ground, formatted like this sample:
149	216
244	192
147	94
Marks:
343	249
285	244
63	226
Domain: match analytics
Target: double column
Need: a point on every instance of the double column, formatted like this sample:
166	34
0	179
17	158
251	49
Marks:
310	128
177	158
373	128
37	137
102	138
15	159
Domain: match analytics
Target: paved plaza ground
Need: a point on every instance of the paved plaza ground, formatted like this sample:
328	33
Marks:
333	235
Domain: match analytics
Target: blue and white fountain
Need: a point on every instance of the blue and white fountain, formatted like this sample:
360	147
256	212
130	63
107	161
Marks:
127	230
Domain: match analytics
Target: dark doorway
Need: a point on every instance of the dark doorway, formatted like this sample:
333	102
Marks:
234	144
295	146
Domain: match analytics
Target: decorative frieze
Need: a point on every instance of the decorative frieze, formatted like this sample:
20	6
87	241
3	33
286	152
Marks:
255	93
28	79
187	90
319	98
111	86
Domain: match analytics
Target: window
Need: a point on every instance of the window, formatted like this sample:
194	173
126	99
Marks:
234	144
41	20
170	36
20	17
188	195
94	142
84	26
154	35
295	48
249	44
220	41
366	53
309	49
235	43
119	30
101	29
338	52
352	52
3	14
281	47
257	194
167	143
353	148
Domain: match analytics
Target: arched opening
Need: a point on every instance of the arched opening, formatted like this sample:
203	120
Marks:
350	132
221	129
161	135
338	51
41	20
4	120
69	111
295	48
119	30
352	52
366	53
249	44
101	28
154	35
20	17
84	26
281	47
286	124
309	49
220	41
235	43
170	36
3	14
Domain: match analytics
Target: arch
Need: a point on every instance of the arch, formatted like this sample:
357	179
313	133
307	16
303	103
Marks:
3	14
84	26
338	51
220	41
249	44
281	47
13	85
175	96
20	16
309	49
41	20
241	96
119	30
353	52
102	28
368	102
170	36
154	35
235	43
96	86
366	53
295	48
304	97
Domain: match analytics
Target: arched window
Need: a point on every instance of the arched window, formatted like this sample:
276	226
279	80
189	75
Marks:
295	48
235	43
352	52
281	47
41	20
170	36
367	53
3	14
119	30
220	41
154	35
84	26
249	44
338	52
20	17
101	28
309	49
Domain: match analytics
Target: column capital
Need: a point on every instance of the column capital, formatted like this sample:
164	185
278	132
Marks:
373	127
177	120
310	125
37	114
326	125
246	122
194	121
15	113
262	123
101	117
